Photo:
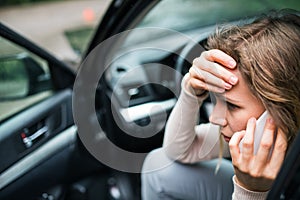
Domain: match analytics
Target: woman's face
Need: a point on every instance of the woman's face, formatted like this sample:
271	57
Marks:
234	107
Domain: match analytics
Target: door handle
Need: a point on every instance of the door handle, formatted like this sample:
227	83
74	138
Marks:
28	140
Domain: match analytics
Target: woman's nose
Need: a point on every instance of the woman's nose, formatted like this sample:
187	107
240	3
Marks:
218	116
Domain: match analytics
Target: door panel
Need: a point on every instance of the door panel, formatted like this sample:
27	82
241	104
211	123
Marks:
33	138
33	127
38	138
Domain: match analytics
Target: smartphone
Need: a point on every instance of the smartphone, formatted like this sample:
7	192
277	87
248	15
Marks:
259	129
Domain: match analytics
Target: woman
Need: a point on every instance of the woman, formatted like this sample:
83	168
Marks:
248	70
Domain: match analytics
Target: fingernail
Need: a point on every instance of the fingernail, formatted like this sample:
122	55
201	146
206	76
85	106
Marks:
232	63
227	86
233	80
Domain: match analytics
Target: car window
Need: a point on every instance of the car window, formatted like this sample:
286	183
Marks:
185	15
146	55
63	28
168	20
24	79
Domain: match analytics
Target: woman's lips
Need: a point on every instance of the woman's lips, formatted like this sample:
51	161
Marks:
227	139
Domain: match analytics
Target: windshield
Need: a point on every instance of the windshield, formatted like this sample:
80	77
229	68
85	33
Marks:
181	15
187	16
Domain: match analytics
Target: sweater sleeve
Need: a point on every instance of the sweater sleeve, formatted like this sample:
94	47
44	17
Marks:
186	141
243	193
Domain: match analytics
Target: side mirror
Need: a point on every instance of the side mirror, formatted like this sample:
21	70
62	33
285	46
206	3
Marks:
21	76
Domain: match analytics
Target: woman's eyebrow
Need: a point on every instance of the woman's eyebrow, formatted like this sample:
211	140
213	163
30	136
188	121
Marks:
225	98
232	100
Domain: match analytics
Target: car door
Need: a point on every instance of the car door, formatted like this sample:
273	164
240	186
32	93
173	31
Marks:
41	155
137	59
138	56
119	100
38	140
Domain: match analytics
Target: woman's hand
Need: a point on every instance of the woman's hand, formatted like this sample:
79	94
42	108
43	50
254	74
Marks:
258	172
209	72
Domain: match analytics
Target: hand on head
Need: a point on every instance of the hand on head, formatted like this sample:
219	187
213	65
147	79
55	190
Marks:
211	72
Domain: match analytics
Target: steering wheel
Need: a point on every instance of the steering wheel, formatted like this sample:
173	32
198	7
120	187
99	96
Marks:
193	49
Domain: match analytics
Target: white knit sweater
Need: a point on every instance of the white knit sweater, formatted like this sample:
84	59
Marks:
188	142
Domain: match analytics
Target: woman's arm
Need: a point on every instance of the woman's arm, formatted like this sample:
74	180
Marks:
242	193
185	140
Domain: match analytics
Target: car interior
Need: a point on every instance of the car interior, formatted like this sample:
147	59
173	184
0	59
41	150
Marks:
83	135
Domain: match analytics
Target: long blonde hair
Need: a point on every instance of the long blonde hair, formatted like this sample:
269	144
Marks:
267	52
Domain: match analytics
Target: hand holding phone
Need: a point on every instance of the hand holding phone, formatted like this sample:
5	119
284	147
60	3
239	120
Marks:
259	130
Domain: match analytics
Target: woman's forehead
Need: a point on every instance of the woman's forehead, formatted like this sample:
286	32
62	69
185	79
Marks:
241	91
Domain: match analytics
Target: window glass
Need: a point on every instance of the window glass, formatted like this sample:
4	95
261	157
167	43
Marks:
188	15
24	79
63	28
167	27
13	79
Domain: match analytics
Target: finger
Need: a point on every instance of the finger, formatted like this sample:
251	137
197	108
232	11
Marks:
216	69
248	140
209	78
221	57
279	151
234	145
266	142
262	157
197	84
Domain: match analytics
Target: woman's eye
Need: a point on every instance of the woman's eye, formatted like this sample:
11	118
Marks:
231	106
